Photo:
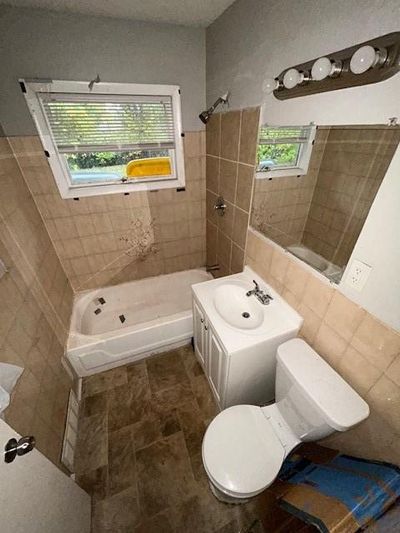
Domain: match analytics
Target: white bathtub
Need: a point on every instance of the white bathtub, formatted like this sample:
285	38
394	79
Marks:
330	270
124	323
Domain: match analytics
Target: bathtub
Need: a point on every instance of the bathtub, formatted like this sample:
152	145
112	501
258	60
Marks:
117	325
330	270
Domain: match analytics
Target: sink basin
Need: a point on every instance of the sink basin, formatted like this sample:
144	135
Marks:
237	309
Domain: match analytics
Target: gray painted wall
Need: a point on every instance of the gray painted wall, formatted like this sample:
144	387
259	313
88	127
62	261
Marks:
256	39
37	43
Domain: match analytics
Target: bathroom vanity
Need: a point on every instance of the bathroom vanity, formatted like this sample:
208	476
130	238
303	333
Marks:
236	337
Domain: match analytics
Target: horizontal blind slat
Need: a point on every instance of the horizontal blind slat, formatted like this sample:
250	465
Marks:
284	135
138	121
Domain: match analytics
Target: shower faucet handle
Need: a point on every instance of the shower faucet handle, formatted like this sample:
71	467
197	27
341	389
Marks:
220	206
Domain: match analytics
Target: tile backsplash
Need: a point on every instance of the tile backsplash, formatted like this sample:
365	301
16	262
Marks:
104	240
230	161
358	346
35	313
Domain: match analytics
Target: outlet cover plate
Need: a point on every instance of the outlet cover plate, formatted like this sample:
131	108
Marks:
357	275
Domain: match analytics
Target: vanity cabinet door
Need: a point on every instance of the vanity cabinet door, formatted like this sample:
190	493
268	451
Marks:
200	334
215	362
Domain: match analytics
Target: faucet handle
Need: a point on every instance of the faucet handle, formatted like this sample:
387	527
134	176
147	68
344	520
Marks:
257	287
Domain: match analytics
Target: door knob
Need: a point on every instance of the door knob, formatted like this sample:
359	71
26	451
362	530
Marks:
16	447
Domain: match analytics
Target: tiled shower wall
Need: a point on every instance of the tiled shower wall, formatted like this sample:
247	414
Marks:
36	303
281	205
358	346
352	168
231	140
110	239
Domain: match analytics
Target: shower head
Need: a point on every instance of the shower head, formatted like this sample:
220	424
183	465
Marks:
205	115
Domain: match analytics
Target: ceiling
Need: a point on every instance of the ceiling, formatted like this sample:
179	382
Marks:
187	12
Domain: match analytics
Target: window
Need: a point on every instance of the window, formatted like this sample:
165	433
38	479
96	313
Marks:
114	138
284	151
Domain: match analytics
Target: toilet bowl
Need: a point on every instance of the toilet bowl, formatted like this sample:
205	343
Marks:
245	445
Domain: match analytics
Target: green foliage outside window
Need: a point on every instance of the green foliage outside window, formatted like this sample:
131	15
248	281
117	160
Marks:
280	154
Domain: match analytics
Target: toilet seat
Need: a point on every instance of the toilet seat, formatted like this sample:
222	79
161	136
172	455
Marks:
242	454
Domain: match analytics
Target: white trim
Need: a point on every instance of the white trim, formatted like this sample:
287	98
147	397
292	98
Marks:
301	168
57	162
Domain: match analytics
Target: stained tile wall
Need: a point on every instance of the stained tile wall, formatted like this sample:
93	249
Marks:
231	140
36	303
353	165
361	348
104	240
281	205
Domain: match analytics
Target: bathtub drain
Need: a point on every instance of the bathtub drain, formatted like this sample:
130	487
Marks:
246	315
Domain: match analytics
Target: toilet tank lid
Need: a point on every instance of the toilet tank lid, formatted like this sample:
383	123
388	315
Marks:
338	403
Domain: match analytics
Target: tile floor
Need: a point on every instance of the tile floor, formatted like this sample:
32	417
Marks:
139	450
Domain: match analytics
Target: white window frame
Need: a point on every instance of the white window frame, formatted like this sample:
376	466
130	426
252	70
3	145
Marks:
303	159
57	163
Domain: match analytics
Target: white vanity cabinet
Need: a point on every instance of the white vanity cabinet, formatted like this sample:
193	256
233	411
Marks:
240	363
209	352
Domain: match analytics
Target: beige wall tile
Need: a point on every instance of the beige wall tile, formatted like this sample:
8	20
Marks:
312	323
344	316
230	131
385	398
393	371
378	343
109	223
228	180
244	186
212	174
317	295
295	279
330	345
225	223
249	135
358	371
240	225
237	259
213	135
279	265
224	250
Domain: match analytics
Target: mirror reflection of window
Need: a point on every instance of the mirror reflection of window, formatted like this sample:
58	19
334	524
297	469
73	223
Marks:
284	151
318	215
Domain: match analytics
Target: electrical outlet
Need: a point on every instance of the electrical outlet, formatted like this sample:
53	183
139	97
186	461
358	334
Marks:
357	275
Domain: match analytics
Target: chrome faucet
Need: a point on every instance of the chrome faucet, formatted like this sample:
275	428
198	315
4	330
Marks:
261	296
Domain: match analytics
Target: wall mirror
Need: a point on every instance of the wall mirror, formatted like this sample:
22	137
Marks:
318	212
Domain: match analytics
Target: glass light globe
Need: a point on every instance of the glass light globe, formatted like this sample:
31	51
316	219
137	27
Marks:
363	59
269	85
292	78
322	68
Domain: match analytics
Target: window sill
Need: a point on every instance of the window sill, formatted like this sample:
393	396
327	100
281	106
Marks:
118	188
281	173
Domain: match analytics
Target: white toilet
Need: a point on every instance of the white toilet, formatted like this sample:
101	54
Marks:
245	445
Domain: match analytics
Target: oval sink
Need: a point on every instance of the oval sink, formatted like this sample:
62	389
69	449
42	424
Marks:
237	309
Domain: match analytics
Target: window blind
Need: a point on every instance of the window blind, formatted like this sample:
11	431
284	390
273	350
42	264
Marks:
284	135
84	123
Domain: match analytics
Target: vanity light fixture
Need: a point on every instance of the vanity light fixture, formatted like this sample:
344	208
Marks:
270	84
362	64
325	67
293	77
367	57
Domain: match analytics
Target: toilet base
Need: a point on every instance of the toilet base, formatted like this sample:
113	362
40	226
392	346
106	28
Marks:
225	498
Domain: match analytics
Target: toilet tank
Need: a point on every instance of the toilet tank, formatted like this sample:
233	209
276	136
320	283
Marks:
313	398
